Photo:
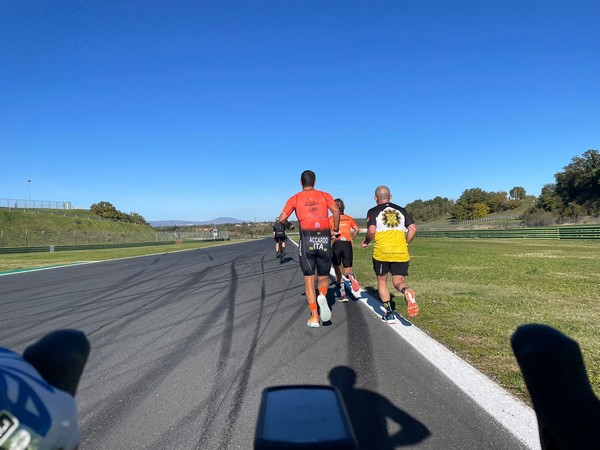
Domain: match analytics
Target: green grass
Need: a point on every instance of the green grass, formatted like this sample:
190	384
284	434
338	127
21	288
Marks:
22	261
474	294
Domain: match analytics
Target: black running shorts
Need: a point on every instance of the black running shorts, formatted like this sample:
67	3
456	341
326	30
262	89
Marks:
315	252
342	253
396	268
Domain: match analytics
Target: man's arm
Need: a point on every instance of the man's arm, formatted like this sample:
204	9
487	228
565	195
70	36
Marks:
370	236
283	219
336	219
354	230
410	234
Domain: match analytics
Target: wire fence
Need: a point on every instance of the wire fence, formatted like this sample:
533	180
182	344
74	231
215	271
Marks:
19	203
512	221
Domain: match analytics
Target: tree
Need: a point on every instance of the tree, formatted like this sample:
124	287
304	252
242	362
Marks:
548	200
517	193
579	183
134	217
430	209
472	196
108	211
479	211
463	209
459	212
574	210
105	209
497	201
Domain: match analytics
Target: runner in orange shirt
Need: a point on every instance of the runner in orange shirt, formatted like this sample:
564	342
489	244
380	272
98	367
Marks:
314	250
342	252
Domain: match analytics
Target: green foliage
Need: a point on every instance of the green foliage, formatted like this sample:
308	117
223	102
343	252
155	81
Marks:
517	193
537	217
548	199
107	211
479	210
498	201
578	186
576	192
574	209
430	209
136	218
476	203
460	212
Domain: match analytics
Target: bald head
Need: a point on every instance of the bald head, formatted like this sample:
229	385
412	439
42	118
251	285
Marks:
382	194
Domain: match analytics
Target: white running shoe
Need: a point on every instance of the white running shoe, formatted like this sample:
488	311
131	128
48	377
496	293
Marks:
324	310
344	298
313	322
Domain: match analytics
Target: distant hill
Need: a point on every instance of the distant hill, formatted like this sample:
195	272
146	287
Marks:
187	223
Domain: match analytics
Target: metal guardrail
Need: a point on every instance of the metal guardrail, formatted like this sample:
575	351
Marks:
573	232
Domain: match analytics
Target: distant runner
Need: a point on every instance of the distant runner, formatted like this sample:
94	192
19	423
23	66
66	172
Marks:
312	210
392	229
280	238
342	252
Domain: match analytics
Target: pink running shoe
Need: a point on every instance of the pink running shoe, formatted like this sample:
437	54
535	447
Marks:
411	303
354	284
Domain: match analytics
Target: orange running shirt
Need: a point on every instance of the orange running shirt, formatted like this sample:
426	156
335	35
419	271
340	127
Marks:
312	209
346	224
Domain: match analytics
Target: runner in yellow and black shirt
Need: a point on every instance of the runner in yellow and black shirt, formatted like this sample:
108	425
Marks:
392	228
312	210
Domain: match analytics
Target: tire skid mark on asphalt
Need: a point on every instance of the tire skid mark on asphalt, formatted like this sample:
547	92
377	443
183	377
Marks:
107	293
241	385
171	292
108	417
218	388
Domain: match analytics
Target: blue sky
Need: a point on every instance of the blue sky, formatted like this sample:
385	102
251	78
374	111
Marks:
193	110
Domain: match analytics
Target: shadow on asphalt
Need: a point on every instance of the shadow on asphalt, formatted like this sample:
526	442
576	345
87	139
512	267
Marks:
369	413
371	297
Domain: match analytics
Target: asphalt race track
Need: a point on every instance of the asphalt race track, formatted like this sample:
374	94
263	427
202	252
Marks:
184	343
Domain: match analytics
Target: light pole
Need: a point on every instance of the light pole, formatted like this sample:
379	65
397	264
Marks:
29	186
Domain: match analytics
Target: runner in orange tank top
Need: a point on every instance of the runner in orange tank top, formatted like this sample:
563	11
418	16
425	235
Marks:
314	250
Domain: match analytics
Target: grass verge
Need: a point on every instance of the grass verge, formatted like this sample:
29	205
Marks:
474	294
21	261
